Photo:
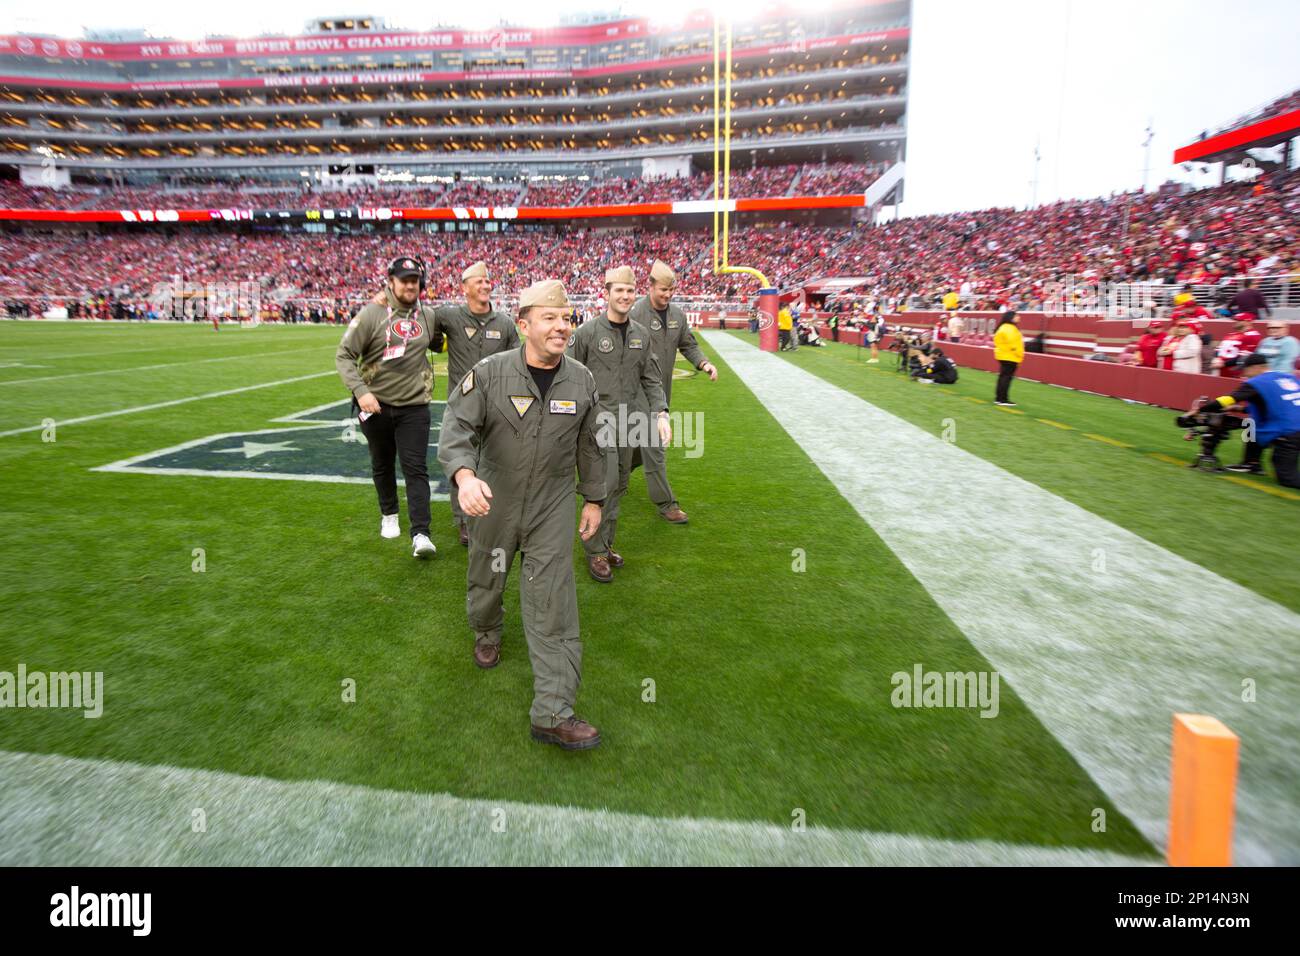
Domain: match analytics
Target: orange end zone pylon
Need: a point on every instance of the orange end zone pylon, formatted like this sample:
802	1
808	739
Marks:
1202	792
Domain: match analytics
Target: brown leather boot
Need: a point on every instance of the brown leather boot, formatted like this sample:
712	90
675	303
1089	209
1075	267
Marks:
464	535
674	514
486	655
615	559
598	566
574	733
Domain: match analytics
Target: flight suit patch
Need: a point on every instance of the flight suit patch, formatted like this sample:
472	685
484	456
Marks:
606	345
492	334
634	343
524	402
655	324
467	384
673	323
561	406
469	331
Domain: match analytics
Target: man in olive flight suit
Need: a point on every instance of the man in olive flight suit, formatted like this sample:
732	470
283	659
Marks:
383	361
669	334
474	330
516	428
618	353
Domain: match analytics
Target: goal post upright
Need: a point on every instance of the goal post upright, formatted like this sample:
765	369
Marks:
768	296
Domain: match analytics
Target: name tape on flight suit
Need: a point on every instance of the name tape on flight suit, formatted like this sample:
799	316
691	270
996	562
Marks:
563	407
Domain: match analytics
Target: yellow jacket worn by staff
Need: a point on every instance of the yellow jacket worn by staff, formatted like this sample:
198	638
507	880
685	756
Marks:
784	320
1008	343
951	301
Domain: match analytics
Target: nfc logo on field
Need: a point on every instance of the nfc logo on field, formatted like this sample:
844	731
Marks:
321	444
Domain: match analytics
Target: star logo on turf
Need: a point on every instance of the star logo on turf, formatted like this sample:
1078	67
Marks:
255	449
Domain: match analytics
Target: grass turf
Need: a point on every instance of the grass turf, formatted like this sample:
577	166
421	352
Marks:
773	687
1238	528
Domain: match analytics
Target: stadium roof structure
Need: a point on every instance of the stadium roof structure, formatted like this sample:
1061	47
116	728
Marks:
1231	145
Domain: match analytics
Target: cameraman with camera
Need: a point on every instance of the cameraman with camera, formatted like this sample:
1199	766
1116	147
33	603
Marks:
1272	400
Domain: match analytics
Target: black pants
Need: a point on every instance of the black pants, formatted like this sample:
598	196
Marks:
785	338
1004	380
1286	451
401	431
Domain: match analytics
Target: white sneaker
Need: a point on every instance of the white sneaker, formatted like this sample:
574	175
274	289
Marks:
388	527
422	547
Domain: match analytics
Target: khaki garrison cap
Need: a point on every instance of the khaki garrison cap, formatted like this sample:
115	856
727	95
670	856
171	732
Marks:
621	274
478	269
660	272
548	294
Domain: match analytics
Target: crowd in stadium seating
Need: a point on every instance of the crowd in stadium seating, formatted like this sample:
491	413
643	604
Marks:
813	179
565	192
993	258
477	194
666	189
1001	257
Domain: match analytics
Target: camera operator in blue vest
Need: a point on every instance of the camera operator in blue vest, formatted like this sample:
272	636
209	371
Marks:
1272	401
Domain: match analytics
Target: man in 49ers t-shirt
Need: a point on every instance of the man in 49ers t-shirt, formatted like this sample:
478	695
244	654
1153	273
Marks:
1236	346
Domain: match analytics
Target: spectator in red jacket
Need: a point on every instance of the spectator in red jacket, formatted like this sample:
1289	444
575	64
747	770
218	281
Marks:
1148	345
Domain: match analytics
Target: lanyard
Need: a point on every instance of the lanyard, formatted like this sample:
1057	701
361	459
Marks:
388	331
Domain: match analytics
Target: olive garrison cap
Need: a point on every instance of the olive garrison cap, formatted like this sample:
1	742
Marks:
663	273
621	274
549	294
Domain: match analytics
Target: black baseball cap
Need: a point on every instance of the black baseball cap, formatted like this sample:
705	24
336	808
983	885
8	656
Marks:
404	266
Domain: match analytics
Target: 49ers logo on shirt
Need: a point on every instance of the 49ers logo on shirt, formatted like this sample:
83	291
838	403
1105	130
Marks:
407	328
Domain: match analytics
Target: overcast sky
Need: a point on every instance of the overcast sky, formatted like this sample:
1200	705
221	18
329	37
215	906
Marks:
989	78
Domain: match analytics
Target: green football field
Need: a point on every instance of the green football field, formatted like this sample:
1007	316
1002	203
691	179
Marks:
227	577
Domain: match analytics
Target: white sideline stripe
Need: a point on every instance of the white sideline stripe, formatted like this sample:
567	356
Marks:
174	401
150	368
68	811
1103	659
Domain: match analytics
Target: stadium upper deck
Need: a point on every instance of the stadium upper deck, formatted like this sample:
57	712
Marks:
829	84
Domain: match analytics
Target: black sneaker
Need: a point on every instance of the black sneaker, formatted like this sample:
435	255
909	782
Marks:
1245	469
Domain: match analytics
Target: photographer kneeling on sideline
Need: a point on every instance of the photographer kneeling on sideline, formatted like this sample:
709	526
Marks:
1272	400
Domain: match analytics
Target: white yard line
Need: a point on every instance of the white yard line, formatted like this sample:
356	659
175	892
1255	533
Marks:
175	401
1103	634
150	368
68	811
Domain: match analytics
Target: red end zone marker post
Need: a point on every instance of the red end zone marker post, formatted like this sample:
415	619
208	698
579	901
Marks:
1202	791
769	304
